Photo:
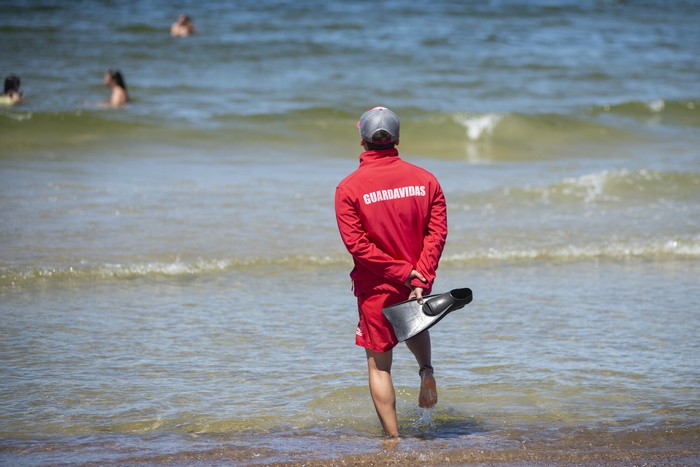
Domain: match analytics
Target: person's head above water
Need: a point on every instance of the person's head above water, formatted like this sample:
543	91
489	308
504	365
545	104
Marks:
115	77
12	83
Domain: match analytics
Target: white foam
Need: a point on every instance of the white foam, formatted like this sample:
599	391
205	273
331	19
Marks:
478	125
662	248
656	105
176	268
18	116
591	186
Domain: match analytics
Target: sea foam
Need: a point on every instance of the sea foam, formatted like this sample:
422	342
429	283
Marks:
478	126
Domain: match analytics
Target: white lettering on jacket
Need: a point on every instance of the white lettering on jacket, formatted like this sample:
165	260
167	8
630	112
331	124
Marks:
393	193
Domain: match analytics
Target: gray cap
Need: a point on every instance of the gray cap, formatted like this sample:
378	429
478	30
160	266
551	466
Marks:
379	125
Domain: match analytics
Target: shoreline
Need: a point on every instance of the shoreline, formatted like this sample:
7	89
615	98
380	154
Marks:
581	447
647	447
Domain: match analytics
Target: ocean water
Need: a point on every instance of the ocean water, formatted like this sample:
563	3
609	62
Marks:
173	289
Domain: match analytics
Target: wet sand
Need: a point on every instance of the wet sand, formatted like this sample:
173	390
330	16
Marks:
676	447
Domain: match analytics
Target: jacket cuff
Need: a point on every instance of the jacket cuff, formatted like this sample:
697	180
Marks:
419	283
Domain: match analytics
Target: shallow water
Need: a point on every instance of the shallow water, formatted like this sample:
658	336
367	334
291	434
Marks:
173	288
222	361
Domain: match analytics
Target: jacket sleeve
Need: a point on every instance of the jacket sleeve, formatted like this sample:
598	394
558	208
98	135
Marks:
363	250
433	241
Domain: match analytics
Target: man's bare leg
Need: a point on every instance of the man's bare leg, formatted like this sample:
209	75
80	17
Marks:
381	387
420	346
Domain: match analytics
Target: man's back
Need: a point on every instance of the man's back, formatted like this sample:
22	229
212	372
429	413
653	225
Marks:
390	204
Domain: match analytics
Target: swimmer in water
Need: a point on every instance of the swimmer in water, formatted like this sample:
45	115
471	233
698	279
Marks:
114	80
183	27
11	94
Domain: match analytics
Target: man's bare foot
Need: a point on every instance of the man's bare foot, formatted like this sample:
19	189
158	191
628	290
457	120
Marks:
428	396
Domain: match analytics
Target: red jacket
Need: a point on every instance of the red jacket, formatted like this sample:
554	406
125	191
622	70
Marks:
392	218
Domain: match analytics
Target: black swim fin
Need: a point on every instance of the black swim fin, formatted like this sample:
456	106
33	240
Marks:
410	318
447	302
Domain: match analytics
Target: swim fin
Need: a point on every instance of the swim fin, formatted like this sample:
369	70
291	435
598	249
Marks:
410	317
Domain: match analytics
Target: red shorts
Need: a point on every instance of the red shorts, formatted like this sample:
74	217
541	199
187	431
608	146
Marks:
374	331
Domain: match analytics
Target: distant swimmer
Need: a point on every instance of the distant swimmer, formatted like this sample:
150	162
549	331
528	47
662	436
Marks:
115	81
11	94
183	27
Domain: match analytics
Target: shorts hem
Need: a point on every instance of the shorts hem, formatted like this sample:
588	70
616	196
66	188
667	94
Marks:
373	349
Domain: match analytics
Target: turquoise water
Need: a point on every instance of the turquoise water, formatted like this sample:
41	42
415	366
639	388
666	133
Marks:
173	288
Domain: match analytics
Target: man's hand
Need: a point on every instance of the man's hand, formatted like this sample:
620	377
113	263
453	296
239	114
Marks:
416	292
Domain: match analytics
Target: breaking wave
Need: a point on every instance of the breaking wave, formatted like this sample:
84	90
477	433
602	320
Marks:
660	249
688	248
176	269
621	187
478	136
